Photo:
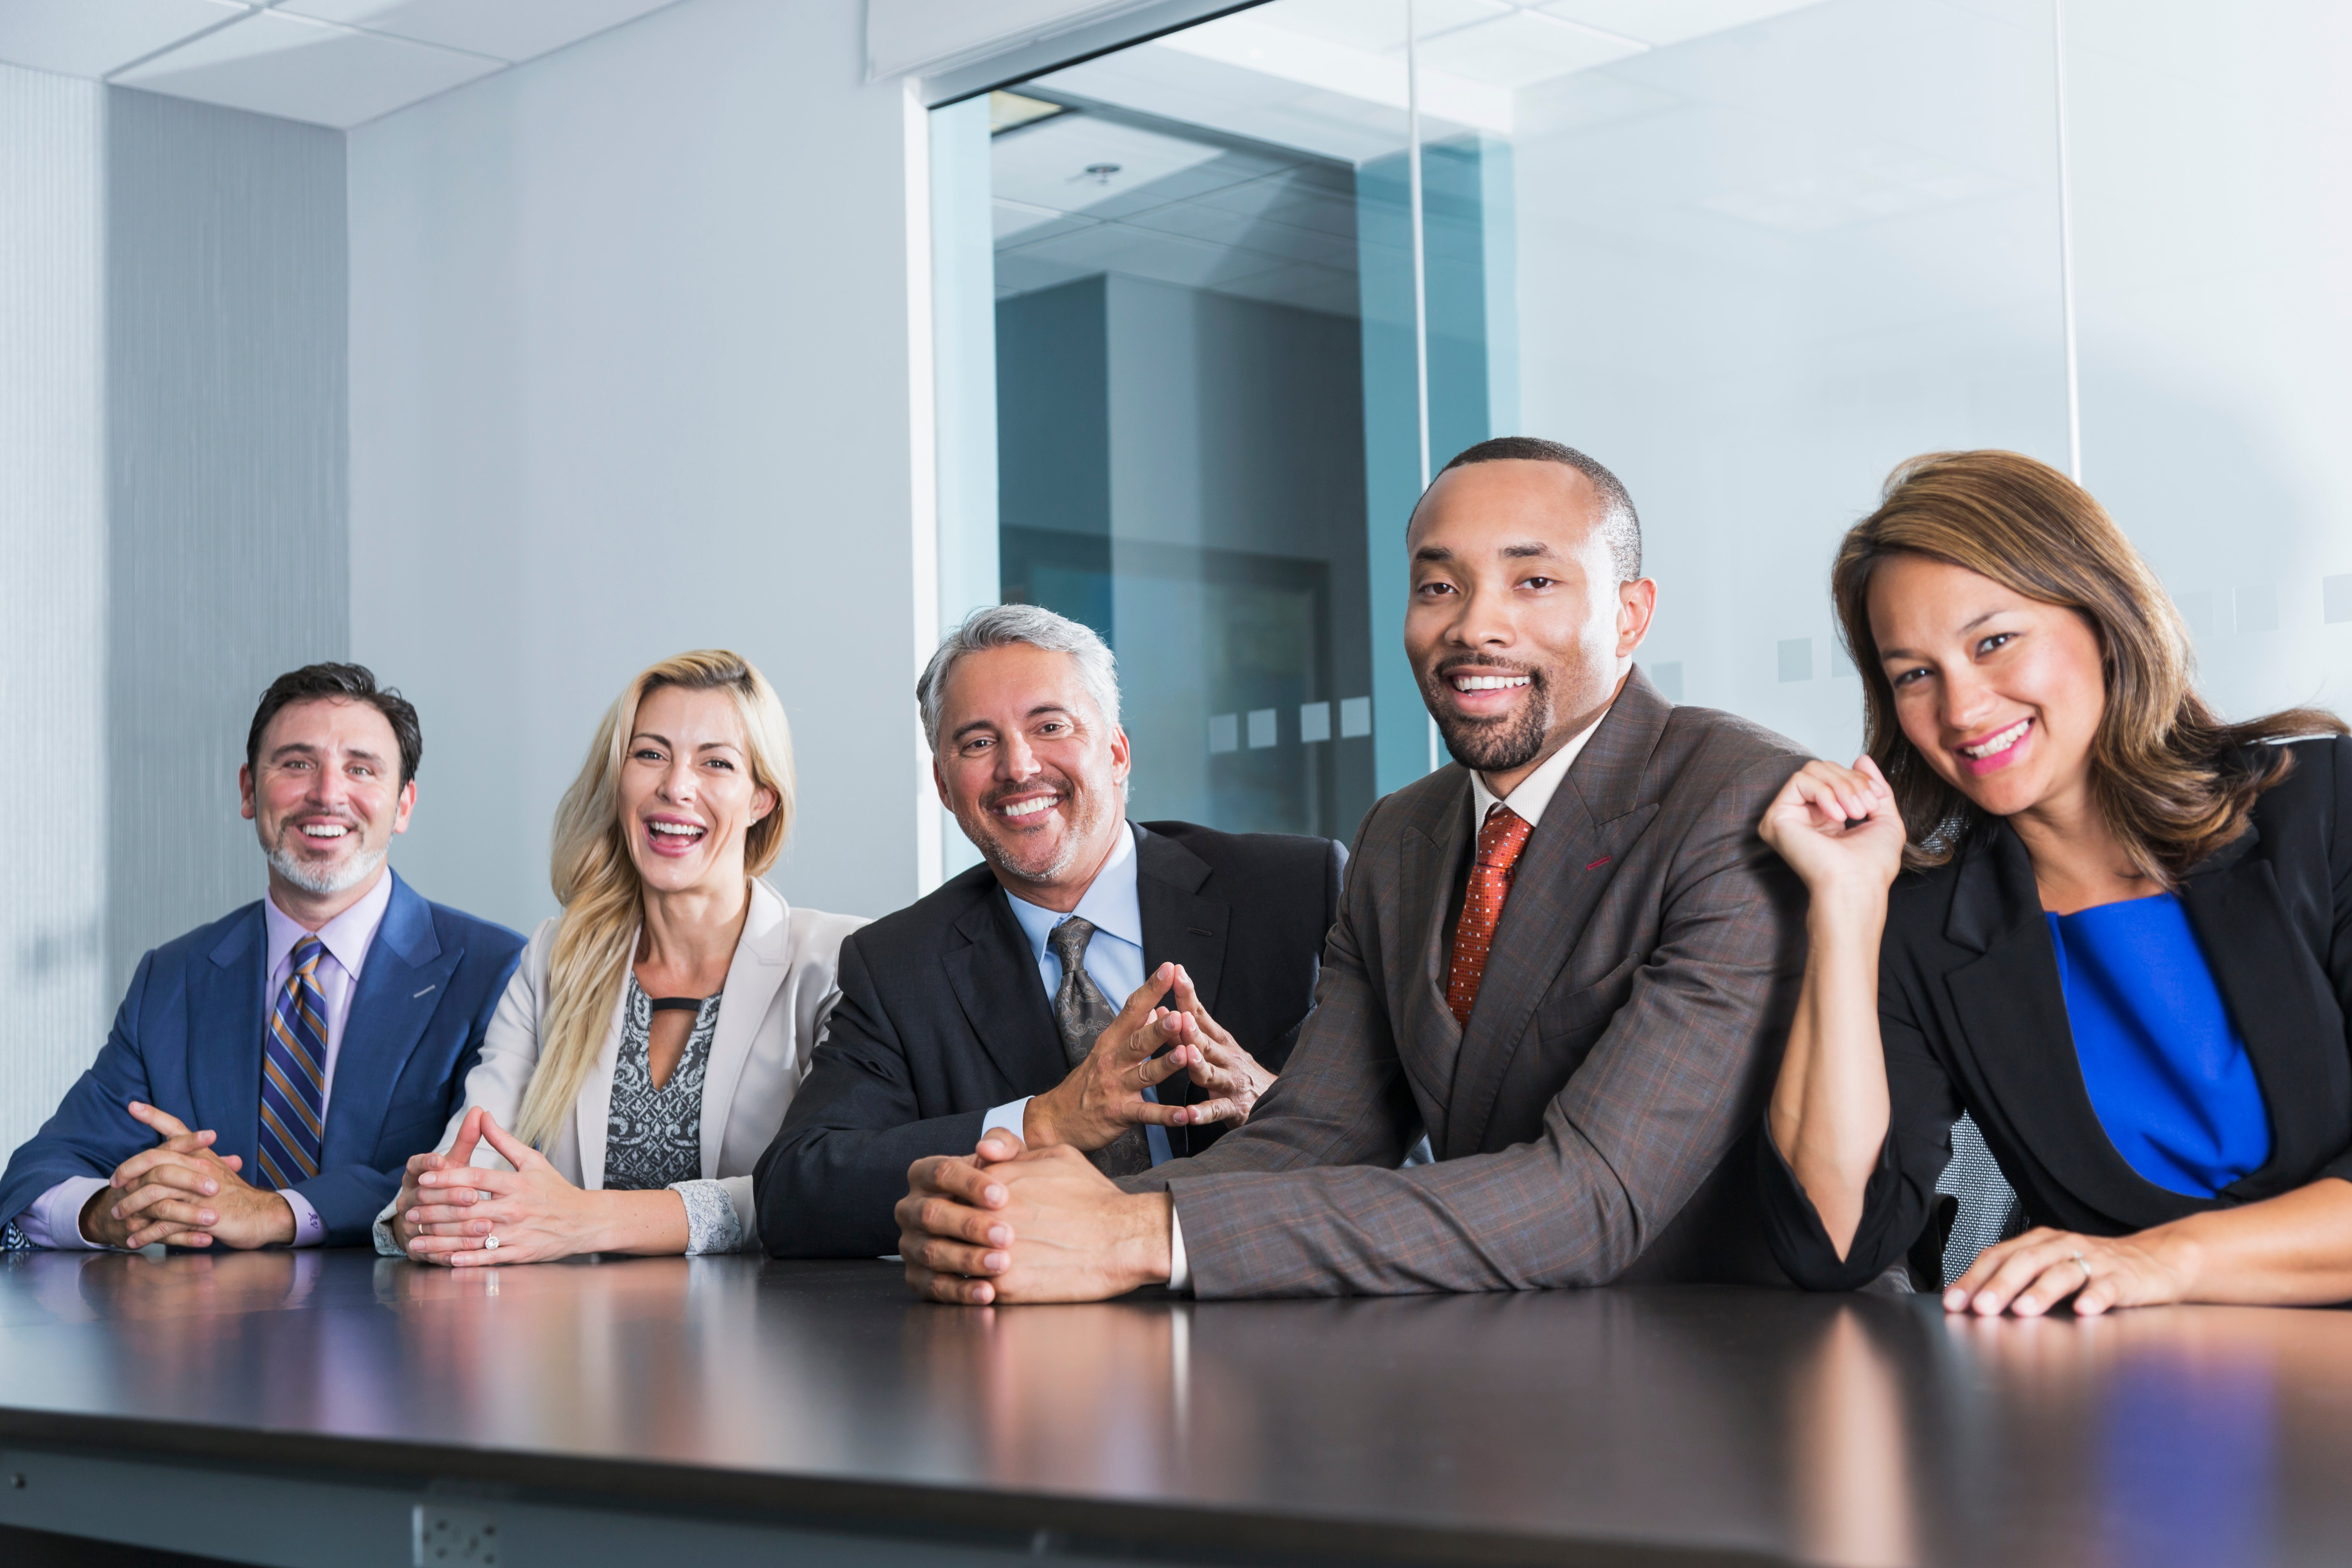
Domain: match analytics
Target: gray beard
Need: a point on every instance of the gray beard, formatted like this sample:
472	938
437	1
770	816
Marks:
336	878
993	851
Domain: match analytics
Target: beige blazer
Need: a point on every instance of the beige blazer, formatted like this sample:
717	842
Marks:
779	992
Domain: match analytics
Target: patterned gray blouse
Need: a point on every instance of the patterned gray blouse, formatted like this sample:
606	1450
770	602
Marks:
652	1137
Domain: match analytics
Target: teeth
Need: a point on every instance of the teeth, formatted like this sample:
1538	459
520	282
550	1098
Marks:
1488	682
677	830
1029	807
324	830
1999	743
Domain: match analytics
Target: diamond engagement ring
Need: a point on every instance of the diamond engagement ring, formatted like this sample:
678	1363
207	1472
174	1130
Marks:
491	1243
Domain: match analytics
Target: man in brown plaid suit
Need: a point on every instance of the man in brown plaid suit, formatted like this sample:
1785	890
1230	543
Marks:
1568	960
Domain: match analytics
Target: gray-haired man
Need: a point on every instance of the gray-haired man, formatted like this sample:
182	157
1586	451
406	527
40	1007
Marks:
1028	992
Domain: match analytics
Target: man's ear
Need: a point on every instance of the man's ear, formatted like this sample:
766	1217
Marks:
939	783
407	799
244	792
1637	602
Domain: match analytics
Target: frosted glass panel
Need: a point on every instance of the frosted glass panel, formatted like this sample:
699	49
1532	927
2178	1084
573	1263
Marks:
2210	145
1758	267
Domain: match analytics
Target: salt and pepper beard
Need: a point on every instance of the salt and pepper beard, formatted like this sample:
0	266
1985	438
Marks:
1492	746
333	878
1086	818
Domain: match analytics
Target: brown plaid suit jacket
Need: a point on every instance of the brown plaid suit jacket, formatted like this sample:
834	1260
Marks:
1632	1013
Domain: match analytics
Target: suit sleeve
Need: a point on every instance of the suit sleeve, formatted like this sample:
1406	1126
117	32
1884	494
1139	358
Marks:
827	1184
1901	1193
1666	1091
2334	756
93	1130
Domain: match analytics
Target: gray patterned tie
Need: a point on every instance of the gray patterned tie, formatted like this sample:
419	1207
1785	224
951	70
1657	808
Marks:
1081	1012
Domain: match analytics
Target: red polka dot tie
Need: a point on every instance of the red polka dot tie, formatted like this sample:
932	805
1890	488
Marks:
1500	839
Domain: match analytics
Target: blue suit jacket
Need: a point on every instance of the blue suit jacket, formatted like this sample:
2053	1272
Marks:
188	1038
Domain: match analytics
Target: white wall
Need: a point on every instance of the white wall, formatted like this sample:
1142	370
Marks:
53	840
630	375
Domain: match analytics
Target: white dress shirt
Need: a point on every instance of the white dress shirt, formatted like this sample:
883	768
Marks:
1536	790
54	1218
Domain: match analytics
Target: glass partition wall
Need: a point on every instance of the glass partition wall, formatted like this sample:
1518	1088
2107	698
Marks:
1213	305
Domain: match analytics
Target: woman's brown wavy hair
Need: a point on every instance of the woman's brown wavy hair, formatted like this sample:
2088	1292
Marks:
2175	781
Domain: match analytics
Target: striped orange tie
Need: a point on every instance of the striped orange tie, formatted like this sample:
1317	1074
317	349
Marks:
1500	838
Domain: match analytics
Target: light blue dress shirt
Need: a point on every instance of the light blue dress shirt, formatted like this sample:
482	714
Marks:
1114	957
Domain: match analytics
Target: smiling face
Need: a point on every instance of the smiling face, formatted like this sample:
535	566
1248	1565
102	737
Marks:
1035	777
325	799
2001	694
1518	627
688	799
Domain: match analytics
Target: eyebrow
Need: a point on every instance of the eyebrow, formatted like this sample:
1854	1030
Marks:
1526	551
1888	654
966	728
665	741
304	749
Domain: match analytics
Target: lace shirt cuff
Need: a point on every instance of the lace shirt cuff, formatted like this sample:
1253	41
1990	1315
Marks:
711	1223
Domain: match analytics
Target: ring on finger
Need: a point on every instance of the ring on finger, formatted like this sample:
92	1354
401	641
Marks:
2077	1260
489	1243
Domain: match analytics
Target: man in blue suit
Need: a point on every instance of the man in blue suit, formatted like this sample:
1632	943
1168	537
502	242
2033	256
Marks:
270	1074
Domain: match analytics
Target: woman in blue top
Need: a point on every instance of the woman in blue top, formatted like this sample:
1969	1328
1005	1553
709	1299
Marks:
2059	894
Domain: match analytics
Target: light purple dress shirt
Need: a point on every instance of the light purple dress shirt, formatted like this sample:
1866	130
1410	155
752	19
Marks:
54	1218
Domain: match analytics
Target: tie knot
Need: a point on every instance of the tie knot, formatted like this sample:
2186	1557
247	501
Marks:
307	949
1068	941
1501	837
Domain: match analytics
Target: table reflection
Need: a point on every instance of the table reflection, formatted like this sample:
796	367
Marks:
1846	1430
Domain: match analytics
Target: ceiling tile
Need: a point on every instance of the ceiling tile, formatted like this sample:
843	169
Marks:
1077	162
507	29
1660	22
91	38
296	69
1524	48
1375	25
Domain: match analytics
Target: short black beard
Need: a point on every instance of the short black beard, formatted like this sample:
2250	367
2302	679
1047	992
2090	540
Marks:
1493	745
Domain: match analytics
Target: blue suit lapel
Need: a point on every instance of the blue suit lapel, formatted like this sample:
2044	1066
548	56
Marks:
225	1023
404	980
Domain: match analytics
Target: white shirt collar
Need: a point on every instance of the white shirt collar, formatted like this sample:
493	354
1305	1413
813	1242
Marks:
1536	790
1111	903
346	936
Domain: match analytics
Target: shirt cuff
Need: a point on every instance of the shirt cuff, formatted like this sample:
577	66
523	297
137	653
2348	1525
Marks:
1011	1116
1180	1268
309	1230
711	1223
54	1220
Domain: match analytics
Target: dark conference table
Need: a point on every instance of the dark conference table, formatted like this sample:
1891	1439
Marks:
332	1408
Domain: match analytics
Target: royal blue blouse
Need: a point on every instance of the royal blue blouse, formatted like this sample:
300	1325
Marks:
2166	1071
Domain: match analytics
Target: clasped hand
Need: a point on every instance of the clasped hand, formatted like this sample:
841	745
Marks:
1103	1095
1013	1224
448	1209
182	1194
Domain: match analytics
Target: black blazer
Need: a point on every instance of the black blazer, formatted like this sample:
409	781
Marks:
1972	1019
942	1016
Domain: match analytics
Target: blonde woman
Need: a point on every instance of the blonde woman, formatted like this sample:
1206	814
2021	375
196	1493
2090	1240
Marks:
645	1052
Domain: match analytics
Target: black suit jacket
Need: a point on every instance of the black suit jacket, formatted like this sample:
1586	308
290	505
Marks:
942	1016
1973	1017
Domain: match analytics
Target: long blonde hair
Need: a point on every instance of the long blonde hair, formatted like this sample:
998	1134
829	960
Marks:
597	883
2174	780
